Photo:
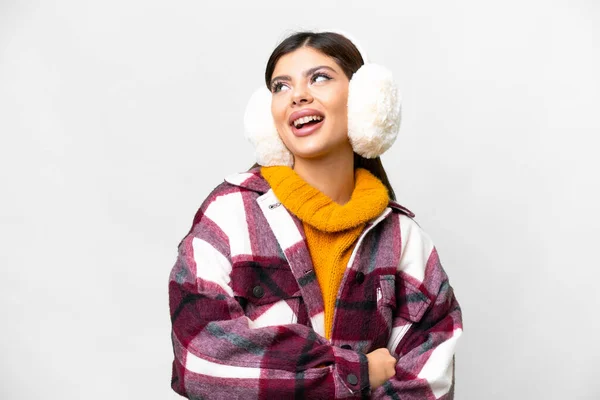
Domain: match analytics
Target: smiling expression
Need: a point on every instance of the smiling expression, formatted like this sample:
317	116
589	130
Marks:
310	103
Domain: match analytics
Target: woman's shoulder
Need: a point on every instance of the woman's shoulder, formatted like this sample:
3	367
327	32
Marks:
251	180
236	184
232	195
409	227
398	208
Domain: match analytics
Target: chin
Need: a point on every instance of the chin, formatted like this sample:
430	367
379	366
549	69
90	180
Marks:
307	147
307	155
316	153
316	145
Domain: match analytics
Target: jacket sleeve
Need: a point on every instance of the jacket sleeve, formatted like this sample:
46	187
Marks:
427	323
218	354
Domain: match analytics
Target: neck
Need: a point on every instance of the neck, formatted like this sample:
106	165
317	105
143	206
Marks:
333	176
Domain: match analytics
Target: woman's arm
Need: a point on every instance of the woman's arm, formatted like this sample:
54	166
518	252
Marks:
426	326
218	353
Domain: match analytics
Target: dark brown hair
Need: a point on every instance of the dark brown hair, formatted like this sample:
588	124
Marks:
347	56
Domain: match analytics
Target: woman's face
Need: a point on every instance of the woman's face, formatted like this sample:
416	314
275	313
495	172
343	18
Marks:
310	104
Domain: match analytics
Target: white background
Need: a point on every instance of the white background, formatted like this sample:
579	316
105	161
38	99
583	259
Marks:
118	117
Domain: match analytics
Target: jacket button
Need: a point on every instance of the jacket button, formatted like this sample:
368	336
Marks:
346	346
258	291
359	278
352	379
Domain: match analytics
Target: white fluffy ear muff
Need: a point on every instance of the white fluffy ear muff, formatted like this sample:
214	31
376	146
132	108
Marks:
374	106
374	110
261	132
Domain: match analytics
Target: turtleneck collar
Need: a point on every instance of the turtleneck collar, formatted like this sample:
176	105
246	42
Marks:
369	199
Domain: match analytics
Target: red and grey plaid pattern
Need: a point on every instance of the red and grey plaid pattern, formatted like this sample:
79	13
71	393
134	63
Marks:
247	311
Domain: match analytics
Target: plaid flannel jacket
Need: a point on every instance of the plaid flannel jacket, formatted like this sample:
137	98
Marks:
247	311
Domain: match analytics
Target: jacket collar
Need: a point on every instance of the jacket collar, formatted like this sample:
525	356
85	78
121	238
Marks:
253	180
400	208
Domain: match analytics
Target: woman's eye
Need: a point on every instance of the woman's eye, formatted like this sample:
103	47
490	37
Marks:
278	86
320	77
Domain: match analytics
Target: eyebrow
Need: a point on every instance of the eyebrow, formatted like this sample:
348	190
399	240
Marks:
306	74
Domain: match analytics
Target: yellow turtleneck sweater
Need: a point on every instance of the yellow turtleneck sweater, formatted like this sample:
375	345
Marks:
331	229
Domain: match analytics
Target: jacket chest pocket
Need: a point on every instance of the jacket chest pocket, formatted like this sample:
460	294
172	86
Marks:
400	304
399	298
269	294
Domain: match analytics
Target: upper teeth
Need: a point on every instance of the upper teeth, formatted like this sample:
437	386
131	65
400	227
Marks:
306	119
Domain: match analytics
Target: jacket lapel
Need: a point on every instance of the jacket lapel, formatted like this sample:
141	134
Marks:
288	232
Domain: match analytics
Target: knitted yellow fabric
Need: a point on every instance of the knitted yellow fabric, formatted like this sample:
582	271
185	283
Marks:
331	229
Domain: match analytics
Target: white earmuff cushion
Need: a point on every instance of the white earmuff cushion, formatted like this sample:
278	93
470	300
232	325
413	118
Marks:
374	108
261	132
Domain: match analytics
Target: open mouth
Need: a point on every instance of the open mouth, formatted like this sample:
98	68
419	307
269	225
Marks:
307	121
306	125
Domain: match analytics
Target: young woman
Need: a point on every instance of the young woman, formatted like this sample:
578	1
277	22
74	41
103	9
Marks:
303	278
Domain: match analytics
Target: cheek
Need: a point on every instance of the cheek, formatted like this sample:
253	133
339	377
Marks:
277	111
339	105
343	101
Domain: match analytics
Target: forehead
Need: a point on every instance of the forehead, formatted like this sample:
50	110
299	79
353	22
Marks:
300	60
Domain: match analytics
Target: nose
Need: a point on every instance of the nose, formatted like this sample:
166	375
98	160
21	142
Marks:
301	95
